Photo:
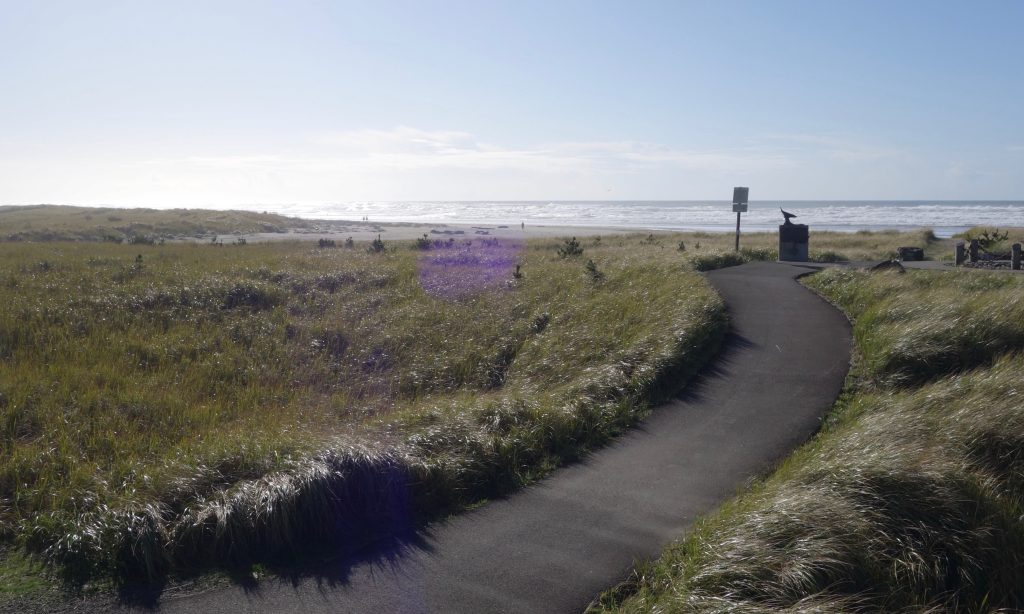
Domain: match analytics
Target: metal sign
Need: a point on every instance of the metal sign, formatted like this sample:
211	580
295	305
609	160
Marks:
739	205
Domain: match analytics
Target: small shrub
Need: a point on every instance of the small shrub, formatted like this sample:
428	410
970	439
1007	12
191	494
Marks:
376	246
682	246
571	247
349	243
828	256
717	260
324	243
988	239
760	253
593	272
423	243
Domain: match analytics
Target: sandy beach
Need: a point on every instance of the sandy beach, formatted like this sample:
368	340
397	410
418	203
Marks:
402	231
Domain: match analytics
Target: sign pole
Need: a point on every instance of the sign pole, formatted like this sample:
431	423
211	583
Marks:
737	231
739	205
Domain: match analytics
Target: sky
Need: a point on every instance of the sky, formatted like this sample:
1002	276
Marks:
222	102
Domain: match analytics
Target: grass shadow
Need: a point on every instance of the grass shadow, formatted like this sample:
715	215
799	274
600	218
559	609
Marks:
717	368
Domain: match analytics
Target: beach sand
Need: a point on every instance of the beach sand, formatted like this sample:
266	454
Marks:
406	231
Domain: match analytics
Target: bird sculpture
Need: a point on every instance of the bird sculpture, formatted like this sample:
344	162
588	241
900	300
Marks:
787	215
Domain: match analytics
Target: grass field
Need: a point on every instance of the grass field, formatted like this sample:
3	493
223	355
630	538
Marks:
909	499
168	406
163	406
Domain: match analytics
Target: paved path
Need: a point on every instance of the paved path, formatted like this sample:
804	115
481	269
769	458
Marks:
554	546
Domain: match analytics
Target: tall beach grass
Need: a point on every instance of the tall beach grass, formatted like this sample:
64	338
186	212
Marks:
164	408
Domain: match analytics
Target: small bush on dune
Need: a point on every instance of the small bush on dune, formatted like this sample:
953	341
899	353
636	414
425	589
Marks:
828	256
569	248
376	246
989	239
710	261
716	260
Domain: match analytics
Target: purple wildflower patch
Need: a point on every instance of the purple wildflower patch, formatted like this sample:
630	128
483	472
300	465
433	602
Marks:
457	269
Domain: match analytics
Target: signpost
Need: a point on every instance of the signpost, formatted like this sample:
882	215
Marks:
739	205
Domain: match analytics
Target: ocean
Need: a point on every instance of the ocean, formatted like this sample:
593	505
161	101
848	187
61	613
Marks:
944	217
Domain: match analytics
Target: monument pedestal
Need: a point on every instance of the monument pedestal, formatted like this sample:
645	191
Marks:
793	242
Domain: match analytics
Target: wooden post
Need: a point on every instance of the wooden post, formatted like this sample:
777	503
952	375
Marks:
959	254
1015	257
974	250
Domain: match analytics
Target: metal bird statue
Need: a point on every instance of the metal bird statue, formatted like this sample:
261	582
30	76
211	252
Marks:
787	215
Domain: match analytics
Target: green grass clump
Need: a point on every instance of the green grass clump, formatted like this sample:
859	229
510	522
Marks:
164	407
910	498
922	325
991	239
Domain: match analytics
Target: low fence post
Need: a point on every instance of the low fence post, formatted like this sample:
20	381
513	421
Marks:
959	254
1015	257
974	250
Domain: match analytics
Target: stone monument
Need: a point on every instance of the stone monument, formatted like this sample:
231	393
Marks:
792	240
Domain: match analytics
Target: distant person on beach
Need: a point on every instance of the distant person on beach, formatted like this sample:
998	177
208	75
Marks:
522	225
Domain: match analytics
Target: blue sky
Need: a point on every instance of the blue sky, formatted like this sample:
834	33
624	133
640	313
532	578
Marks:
224	103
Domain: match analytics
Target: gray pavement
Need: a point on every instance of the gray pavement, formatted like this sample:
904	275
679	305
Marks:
554	546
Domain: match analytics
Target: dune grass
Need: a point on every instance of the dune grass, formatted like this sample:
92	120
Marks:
909	499
707	251
168	407
918	327
64	223
823	246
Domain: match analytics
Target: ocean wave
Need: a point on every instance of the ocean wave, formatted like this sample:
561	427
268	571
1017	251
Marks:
679	215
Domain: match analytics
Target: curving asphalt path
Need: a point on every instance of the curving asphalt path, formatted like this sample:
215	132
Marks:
554	546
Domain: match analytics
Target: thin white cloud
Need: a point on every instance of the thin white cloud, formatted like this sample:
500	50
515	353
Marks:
398	139
405	148
836	147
